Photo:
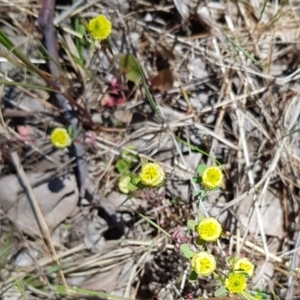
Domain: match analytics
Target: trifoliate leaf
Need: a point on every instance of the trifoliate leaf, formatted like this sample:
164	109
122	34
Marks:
193	277
201	168
122	165
221	292
131	187
191	224
187	251
135	179
200	242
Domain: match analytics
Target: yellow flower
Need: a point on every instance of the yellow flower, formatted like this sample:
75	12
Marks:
100	28
244	265
60	138
212	177
236	283
203	263
152	175
209	229
123	184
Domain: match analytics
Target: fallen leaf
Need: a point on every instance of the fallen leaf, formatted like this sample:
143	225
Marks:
57	197
270	213
163	81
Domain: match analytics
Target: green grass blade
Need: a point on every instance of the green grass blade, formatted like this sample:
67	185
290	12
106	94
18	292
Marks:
263	10
145	85
248	55
61	291
154	224
198	150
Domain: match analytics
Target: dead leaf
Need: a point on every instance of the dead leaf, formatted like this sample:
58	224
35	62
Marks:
271	215
106	281
57	197
163	81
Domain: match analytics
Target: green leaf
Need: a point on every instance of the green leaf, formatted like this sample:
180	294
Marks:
200	242
131	187
70	130
231	259
221	292
259	294
79	42
201	168
223	235
193	276
191	224
202	194
187	251
122	165
135	180
128	65
175	200
196	179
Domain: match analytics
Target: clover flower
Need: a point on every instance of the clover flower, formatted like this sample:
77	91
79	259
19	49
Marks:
152	174
60	138
244	265
123	184
203	263
212	177
236	283
209	229
100	28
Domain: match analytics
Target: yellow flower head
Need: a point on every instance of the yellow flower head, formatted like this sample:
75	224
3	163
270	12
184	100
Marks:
100	28
236	283
209	229
244	265
123	184
152	174
212	177
203	263
60	138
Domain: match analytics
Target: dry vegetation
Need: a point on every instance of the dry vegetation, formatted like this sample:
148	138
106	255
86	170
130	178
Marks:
224	78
